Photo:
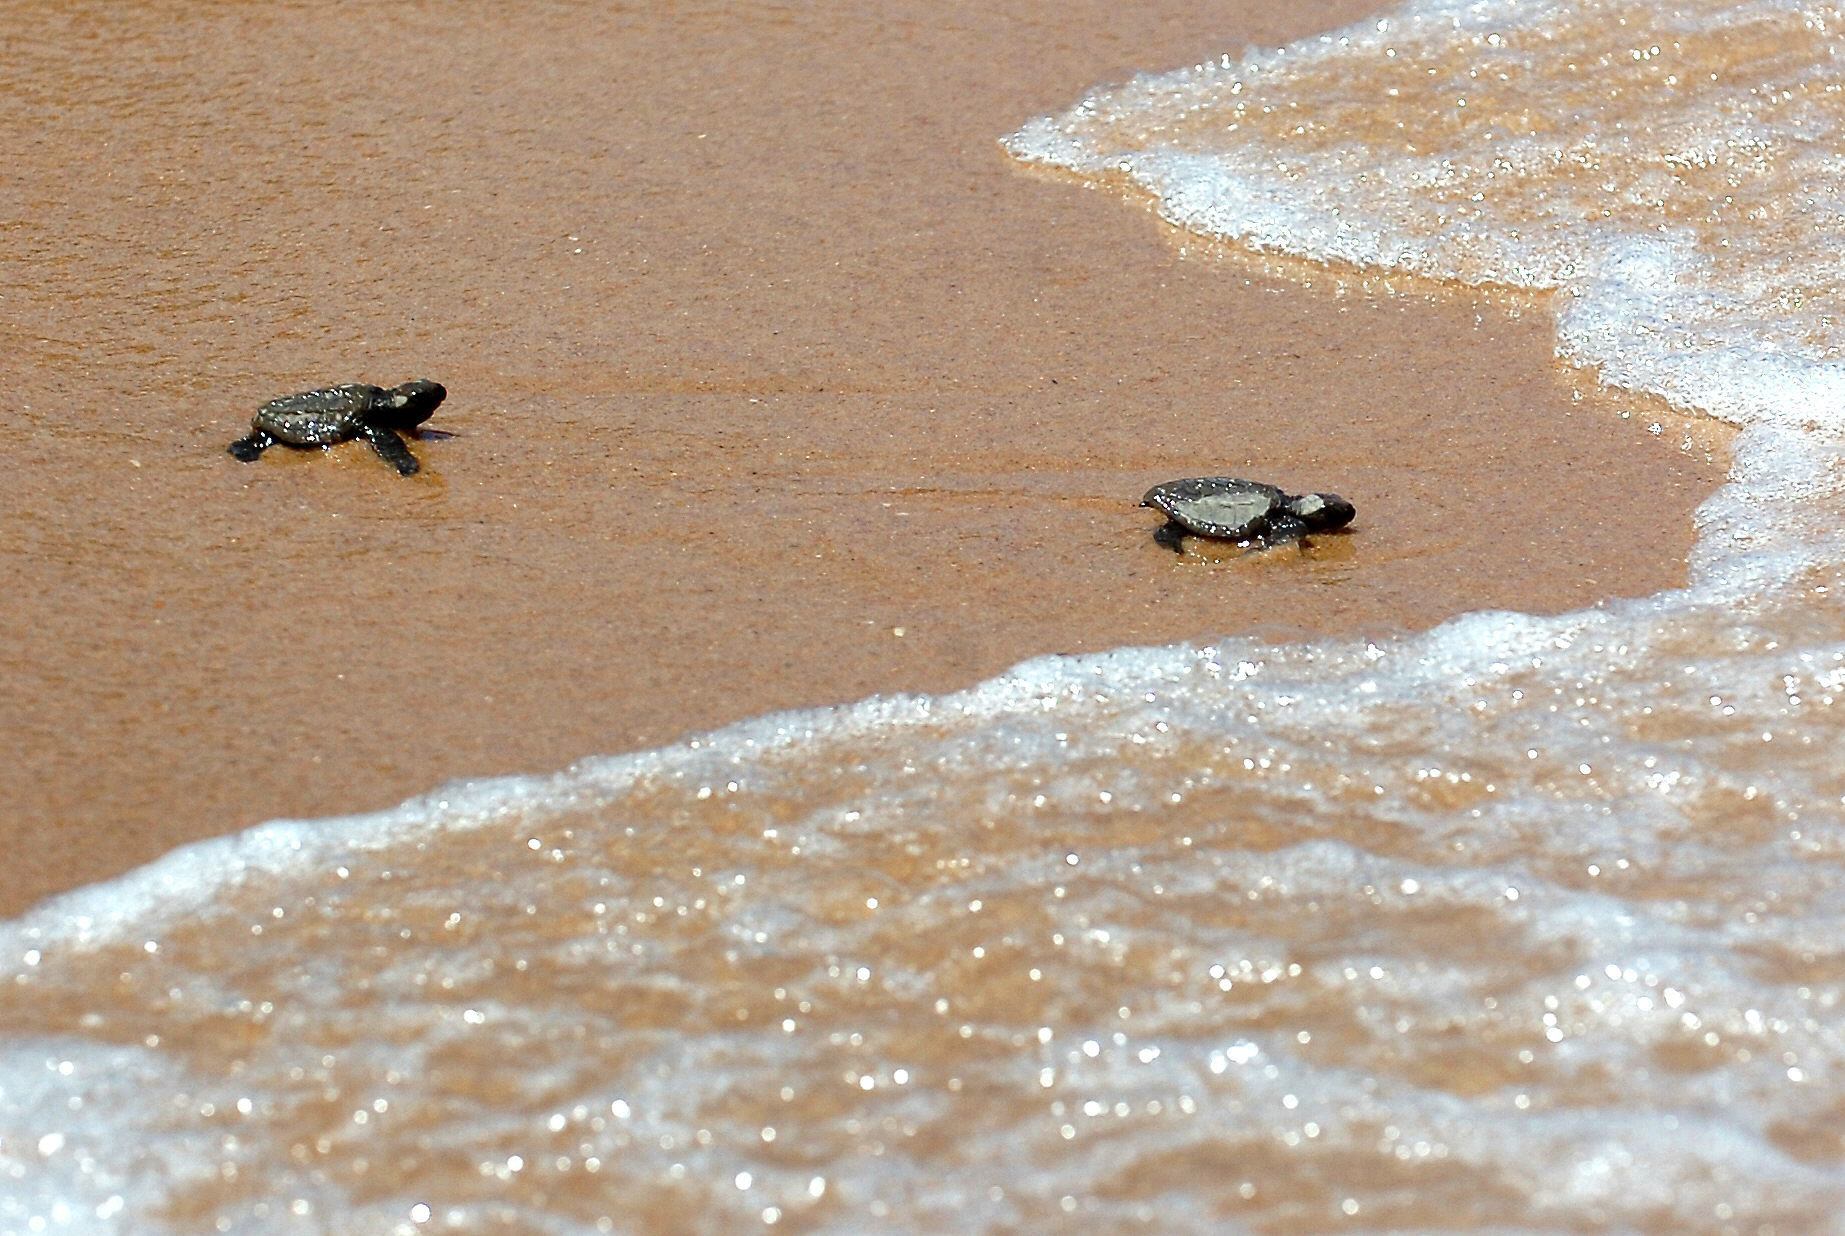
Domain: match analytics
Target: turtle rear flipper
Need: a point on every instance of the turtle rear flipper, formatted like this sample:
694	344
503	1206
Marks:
392	448
250	448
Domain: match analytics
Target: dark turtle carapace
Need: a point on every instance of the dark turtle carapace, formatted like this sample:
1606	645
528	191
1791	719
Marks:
336	413
1228	509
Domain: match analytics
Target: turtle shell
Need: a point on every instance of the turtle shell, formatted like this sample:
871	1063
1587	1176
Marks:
317	418
1218	506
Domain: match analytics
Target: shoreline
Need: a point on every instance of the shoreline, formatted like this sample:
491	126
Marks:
774	384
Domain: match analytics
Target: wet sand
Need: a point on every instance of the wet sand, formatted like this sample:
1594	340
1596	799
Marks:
773	384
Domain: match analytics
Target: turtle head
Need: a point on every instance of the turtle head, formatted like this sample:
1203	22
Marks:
409	405
1321	512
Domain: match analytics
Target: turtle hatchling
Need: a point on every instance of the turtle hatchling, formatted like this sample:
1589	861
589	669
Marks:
336	413
1228	509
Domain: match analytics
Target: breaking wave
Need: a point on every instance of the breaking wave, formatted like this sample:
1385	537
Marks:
1521	921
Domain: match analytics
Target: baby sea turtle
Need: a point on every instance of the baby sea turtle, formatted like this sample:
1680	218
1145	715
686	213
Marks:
336	413
1229	509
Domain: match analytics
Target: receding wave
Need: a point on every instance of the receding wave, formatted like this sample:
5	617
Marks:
1519	922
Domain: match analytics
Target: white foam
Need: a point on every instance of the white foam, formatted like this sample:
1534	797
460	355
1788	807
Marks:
1554	902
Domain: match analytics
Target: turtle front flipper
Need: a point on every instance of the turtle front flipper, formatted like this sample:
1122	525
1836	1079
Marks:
388	444
250	448
1283	528
1171	534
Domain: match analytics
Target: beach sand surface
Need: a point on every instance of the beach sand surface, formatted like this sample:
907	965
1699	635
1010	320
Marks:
773	384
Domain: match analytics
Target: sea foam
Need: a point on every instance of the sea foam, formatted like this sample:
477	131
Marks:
1523	921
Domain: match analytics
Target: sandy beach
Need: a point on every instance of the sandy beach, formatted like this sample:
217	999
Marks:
773	384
